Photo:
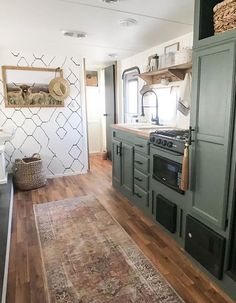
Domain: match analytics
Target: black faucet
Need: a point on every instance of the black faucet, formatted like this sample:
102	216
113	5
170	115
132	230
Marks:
156	119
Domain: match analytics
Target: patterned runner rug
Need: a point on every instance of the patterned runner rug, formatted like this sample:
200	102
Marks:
89	258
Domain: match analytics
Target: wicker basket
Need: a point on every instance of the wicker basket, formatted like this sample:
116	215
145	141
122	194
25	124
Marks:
29	173
225	16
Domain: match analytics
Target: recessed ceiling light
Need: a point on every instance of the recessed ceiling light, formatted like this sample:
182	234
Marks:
74	34
113	55
111	1
126	22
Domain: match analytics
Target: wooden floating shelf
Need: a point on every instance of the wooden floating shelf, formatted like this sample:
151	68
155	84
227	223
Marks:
172	73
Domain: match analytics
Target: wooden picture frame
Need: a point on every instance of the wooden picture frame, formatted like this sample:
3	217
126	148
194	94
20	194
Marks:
92	78
28	86
172	48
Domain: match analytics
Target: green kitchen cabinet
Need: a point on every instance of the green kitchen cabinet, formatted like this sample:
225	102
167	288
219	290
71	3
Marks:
212	112
130	167
116	163
122	165
127	152
141	174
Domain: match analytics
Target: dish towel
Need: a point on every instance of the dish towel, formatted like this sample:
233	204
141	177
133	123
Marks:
185	95
184	185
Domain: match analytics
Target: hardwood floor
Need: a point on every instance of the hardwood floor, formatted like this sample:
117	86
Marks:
25	280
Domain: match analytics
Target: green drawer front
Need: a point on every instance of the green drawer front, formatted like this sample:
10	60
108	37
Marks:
141	197
124	136
141	145
140	179
141	163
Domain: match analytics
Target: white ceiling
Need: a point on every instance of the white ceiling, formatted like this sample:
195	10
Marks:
35	25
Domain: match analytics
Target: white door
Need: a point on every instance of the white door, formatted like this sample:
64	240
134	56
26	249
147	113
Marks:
95	110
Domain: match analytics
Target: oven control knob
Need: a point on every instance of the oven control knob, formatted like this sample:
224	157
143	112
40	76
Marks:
158	141
152	139
169	144
164	142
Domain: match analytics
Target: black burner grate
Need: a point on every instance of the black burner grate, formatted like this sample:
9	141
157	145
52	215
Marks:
181	134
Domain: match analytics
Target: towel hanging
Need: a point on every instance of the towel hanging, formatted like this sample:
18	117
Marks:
185	95
184	185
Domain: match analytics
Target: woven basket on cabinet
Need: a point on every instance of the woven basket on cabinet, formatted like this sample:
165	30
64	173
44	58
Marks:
29	173
225	16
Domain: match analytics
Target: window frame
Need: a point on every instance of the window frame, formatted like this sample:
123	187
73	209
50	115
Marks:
128	76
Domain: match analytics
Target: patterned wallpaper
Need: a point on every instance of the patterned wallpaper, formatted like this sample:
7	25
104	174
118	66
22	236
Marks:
56	133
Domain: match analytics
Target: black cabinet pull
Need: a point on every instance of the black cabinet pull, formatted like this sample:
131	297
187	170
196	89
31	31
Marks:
118	150
138	179
191	130
138	195
139	145
138	162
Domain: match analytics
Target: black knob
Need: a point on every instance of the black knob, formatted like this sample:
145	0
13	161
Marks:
164	142
169	144
158	141
152	139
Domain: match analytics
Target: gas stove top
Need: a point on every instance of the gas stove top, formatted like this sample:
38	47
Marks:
171	139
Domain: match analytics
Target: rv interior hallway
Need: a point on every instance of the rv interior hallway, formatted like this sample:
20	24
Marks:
25	280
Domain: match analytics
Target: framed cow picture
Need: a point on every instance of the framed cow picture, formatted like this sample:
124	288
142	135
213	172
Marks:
29	86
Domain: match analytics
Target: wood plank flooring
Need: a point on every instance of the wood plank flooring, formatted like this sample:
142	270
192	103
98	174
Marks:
25	280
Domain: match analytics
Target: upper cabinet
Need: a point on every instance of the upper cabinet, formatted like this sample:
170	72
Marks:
204	32
203	23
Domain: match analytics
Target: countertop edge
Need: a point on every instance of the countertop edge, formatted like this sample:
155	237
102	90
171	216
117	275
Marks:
140	133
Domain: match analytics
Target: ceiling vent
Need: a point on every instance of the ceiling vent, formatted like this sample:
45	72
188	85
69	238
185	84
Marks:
74	34
127	22
113	55
111	1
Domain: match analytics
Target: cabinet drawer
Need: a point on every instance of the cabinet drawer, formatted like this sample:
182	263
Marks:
141	163
141	145
141	197
140	179
123	136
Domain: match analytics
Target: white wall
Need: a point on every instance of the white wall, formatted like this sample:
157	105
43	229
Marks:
141	60
58	134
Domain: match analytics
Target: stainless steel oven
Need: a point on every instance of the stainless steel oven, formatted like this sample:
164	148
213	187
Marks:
167	149
167	172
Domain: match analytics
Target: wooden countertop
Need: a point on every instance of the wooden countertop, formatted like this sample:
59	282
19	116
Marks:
141	130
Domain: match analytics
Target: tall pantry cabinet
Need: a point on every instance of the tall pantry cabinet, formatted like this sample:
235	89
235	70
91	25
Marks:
213	150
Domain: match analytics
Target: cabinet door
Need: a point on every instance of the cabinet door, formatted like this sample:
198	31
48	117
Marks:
116	162
212	117
127	170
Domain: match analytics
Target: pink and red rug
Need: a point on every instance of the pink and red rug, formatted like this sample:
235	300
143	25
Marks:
89	258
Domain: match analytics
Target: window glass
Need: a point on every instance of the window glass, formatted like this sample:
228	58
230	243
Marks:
131	95
167	105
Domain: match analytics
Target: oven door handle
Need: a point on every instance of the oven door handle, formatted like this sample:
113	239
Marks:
167	184
154	151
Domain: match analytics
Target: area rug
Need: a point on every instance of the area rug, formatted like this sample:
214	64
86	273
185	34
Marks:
89	258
